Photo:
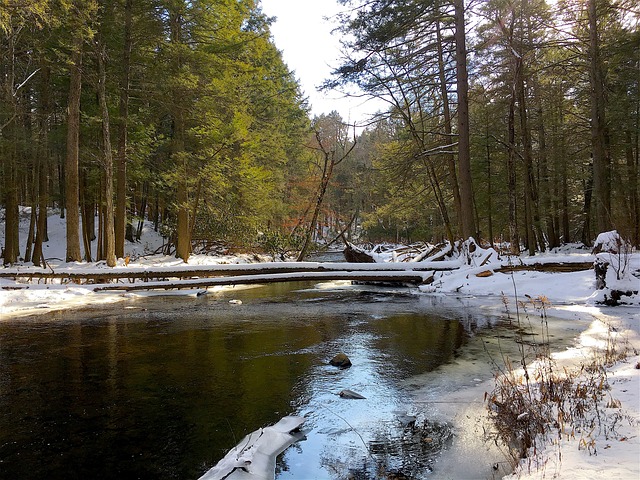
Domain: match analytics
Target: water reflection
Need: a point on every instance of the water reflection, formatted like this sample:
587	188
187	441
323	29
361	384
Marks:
164	389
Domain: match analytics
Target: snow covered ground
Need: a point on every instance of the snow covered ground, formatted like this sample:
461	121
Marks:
570	295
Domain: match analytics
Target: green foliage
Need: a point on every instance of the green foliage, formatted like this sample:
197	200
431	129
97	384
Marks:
278	244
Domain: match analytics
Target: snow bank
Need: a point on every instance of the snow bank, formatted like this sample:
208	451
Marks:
254	458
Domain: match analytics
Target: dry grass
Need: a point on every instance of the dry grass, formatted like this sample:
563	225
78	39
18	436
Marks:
535	401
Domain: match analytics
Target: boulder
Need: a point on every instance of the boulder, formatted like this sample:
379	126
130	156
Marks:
350	394
340	361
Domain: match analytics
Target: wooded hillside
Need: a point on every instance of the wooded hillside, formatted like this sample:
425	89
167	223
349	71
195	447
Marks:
514	121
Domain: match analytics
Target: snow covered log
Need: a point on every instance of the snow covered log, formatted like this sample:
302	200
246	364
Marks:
354	254
398	276
255	456
554	267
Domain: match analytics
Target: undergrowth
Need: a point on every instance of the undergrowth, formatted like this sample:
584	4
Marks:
535	401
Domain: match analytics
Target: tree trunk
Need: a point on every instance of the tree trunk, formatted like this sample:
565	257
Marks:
529	197
545	200
464	151
72	203
450	158
514	238
108	232
634	198
33	220
327	171
12	219
586	207
489	189
142	211
183	231
87	212
121	182
601	177
10	250
43	177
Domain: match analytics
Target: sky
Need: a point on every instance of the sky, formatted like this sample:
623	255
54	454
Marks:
302	32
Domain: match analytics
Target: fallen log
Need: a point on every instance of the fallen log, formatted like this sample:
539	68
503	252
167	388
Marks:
401	277
221	270
355	255
552	267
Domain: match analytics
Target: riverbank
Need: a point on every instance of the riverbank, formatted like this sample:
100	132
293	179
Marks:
610	445
570	297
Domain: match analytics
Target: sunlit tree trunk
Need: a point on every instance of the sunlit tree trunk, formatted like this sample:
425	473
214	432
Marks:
514	238
43	166
8	130
464	152
451	162
72	202
183	231
121	181
601	162
108	230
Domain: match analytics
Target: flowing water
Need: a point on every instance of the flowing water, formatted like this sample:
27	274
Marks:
162	387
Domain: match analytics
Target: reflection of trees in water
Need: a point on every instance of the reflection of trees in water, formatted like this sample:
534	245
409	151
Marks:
396	453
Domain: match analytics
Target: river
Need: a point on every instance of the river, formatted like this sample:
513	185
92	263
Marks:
161	387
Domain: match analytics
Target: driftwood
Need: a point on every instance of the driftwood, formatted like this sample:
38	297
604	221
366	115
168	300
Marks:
355	255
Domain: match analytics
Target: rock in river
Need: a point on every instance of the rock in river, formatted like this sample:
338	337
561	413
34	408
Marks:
340	361
351	395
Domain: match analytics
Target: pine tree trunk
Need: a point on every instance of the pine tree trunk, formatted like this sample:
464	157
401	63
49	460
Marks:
529	197
450	158
108	232
121	181
10	250
634	198
72	202
489	190
545	200
601	178
43	167
464	150
514	238
586	207
88	213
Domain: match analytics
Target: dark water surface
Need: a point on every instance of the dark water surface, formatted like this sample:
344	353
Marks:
162	387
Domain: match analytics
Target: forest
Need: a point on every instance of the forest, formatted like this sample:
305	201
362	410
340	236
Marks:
516	122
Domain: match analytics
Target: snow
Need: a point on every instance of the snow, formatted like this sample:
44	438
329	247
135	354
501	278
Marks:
612	449
570	295
254	458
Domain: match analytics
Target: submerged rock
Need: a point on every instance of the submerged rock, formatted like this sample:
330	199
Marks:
340	361
350	394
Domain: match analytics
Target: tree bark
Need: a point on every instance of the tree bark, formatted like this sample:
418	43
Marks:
546	203
121	181
450	158
72	202
43	167
10	250
464	151
529	197
108	231
601	177
514	238
586	207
